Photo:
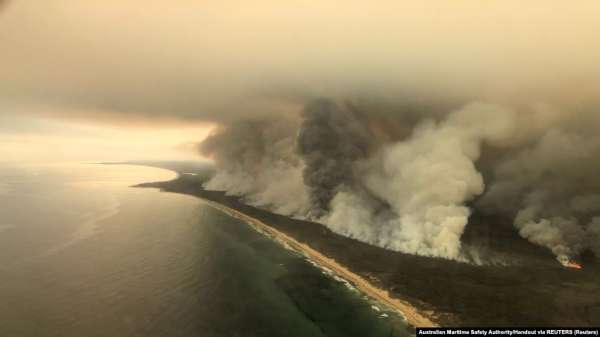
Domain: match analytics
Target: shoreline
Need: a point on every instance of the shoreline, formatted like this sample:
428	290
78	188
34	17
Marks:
426	291
410	313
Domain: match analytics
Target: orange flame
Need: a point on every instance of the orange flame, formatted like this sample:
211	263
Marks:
567	262
573	264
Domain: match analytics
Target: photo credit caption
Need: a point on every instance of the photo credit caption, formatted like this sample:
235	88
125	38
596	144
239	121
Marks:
507	332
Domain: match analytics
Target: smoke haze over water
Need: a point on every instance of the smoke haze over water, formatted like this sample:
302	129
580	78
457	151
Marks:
389	122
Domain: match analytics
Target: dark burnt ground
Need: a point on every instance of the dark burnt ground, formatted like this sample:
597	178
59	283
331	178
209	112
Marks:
534	290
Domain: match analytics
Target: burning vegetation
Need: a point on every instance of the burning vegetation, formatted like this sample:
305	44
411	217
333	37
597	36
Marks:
412	186
569	263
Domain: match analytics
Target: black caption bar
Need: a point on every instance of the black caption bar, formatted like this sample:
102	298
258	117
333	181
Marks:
481	332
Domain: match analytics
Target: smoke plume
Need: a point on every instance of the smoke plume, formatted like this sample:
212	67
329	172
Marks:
380	121
358	171
330	140
426	181
256	160
551	187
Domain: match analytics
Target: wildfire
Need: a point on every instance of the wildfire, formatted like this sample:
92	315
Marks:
569	263
573	264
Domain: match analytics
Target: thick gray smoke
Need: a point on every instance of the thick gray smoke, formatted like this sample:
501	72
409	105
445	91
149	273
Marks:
411	191
256	160
330	140
399	157
426	181
552	188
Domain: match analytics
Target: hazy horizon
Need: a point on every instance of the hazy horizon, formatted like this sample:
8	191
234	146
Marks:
149	70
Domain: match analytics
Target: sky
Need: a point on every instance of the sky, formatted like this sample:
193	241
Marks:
43	139
133	79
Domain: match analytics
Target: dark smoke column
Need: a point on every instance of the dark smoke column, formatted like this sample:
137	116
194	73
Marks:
330	139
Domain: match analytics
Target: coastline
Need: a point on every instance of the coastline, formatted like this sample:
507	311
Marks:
410	313
423	289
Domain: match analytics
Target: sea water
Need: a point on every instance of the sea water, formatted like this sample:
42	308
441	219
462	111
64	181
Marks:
82	253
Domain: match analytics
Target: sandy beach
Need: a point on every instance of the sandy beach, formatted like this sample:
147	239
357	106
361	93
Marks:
411	314
427	291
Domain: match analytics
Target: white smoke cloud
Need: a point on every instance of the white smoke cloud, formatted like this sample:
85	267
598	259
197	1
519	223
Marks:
256	160
354	216
551	188
534	166
401	174
426	180
278	187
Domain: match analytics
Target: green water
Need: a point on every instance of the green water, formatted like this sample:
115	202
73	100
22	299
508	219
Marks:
85	255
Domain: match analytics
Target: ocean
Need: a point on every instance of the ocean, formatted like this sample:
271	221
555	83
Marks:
82	253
